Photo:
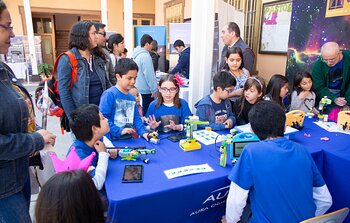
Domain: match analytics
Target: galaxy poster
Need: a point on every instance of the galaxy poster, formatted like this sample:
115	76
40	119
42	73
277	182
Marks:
310	29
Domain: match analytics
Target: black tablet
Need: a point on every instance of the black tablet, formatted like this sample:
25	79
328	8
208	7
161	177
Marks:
177	137
133	174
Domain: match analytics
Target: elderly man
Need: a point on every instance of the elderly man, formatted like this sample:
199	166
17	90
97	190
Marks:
330	74
230	35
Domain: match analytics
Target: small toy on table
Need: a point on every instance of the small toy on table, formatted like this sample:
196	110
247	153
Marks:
295	119
323	103
129	153
191	143
239	141
154	139
223	150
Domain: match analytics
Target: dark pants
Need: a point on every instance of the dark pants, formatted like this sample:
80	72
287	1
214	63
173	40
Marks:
146	100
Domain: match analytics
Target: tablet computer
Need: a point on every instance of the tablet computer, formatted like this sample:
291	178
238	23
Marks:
177	137
133	174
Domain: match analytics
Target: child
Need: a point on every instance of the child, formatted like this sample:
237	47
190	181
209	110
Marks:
216	108
119	106
124	54
253	91
278	174
69	196
235	65
89	126
277	89
303	96
168	112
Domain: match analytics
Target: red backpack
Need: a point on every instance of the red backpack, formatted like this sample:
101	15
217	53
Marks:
55	107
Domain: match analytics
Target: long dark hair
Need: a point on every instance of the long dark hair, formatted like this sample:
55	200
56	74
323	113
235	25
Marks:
171	78
274	86
79	38
2	7
115	38
297	80
260	85
70	197
234	50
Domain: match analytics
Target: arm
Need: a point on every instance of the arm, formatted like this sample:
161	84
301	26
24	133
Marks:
322	198
111	72
107	108
101	170
64	71
319	80
235	203
230	114
296	101
185	111
248	60
140	128
183	60
149	74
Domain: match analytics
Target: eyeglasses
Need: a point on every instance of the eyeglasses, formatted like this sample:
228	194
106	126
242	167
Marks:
165	90
8	28
330	60
102	33
229	90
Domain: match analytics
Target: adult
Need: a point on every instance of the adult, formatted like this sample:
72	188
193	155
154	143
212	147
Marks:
101	42
286	179
183	64
146	81
231	36
91	80
18	135
331	75
154	54
116	46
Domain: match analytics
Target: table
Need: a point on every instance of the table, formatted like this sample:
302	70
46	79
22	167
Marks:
194	198
333	160
201	197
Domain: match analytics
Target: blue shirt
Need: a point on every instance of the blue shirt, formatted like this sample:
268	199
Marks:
166	113
95	88
83	151
221	112
280	176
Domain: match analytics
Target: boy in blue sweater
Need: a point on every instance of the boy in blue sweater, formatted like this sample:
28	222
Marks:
216	108
119	106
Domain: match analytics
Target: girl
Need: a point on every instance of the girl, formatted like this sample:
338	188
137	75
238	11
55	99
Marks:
235	65
69	196
277	89
253	91
116	46
168	110
303	96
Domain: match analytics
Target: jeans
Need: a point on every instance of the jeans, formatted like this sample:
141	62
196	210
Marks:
146	100
15	208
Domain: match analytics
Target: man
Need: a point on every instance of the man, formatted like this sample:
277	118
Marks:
331	75
230	35
183	64
280	176
146	81
101	42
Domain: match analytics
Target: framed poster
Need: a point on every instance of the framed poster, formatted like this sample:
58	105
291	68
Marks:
275	25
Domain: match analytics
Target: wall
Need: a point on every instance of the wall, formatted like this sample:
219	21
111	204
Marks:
270	64
159	10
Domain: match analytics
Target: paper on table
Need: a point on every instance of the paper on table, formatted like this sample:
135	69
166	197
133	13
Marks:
246	128
187	170
207	137
331	127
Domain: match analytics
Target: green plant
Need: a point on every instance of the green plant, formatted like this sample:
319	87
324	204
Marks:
44	70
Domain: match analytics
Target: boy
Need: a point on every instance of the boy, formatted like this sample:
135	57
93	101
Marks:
119	106
216	108
280	176
89	126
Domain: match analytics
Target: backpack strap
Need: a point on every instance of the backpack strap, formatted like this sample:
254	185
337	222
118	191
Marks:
74	63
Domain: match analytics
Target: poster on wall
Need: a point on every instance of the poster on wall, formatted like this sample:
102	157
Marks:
337	8
275	27
180	31
158	33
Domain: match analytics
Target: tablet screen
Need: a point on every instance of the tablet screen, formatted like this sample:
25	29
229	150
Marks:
133	173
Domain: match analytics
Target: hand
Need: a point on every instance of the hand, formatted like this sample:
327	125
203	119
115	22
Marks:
340	101
173	126
152	122
228	124
154	95
48	137
238	92
223	219
100	146
113	153
146	135
303	94
128	131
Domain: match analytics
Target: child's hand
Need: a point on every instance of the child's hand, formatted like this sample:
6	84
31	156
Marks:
173	126
128	131
303	94
100	146
113	153
152	122
147	135
223	219
228	124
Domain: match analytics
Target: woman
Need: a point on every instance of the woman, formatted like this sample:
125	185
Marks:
69	196
18	135
116	46
92	79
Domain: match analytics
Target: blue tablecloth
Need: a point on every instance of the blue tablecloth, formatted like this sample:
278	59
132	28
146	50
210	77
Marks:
201	197
195	198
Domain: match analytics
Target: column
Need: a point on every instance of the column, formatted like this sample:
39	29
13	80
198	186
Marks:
128	27
104	13
30	34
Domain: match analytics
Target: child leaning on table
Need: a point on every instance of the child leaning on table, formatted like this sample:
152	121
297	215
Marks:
119	106
216	107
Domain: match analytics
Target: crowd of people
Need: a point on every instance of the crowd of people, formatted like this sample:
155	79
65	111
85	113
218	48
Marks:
103	104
